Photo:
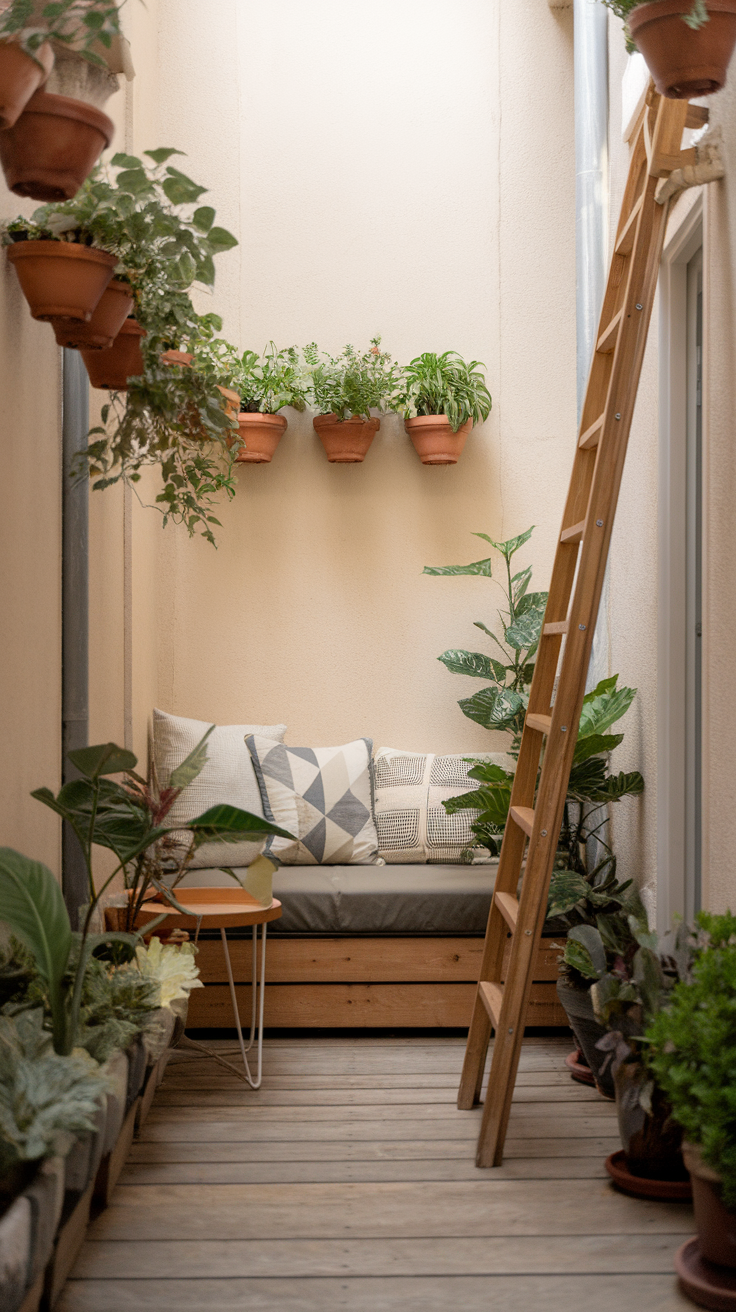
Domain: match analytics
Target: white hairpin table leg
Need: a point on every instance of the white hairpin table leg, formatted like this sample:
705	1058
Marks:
257	1003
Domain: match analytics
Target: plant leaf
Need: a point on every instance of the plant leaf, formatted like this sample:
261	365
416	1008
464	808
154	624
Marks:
192	765
106	758
494	708
474	663
482	567
229	823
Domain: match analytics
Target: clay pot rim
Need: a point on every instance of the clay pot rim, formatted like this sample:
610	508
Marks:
422	421
67	249
132	326
651	10
262	417
46	102
331	421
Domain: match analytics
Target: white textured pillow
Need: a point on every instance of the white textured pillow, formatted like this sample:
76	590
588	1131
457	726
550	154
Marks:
322	795
412	823
228	778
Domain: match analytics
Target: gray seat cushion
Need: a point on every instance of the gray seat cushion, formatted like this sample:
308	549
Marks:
409	900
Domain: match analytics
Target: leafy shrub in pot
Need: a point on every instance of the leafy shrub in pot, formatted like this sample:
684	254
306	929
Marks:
443	397
265	384
687	44
344	389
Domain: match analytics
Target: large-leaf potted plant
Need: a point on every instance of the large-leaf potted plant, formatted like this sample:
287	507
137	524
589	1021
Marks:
265	384
345	389
55	142
62	273
692	1052
687	44
443	397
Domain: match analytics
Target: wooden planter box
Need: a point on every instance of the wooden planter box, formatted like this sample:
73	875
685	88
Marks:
361	982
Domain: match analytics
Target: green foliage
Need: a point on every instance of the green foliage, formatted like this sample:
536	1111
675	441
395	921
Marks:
265	383
44	1098
116	1003
445	385
695	18
692	1053
79	24
352	383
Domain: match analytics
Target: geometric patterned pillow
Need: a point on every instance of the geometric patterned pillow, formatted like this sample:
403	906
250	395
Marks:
322	795
413	825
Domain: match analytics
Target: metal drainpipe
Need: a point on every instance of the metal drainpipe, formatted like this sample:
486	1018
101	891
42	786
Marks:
591	223
74	609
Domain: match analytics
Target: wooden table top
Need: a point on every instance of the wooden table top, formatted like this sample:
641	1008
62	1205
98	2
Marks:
218	908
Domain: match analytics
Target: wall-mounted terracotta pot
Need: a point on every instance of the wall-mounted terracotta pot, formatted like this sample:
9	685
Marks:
346	441
59	279
683	61
20	76
111	369
715	1223
434	441
177	357
261	435
107	319
53	146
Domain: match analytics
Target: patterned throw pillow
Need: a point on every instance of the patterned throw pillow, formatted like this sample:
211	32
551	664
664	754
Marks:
228	777
323	795
412	823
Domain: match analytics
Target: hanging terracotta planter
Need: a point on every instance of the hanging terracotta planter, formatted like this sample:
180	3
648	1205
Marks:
261	435
53	146
684	61
434	441
346	441
20	76
177	357
59	279
107	320
110	369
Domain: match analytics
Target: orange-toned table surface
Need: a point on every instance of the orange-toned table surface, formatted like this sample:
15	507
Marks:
213	908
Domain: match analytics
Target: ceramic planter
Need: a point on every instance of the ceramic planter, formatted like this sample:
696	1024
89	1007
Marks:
53	146
578	1006
261	435
346	441
59	279
715	1223
434	441
20	76
100	332
683	61
110	369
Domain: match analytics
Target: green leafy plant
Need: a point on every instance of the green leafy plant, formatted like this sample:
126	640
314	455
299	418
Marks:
446	385
691	1043
79	24
265	383
352	383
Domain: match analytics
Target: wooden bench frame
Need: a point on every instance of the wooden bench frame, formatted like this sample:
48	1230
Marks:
331	982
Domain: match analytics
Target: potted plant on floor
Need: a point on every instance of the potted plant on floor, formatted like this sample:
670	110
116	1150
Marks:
443	398
55	142
692	1052
345	389
265	385
687	44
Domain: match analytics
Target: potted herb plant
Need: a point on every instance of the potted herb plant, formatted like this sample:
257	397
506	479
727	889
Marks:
692	1051
55	142
265	384
443	398
344	389
687	44
62	273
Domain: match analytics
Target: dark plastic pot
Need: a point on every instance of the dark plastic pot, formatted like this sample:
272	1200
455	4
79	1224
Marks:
683	61
716	1224
652	1142
578	1006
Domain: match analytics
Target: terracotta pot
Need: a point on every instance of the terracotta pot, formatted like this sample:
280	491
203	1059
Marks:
107	319
59	279
53	146
261	435
177	357
346	441
20	76
434	441
112	368
652	1141
716	1224
685	62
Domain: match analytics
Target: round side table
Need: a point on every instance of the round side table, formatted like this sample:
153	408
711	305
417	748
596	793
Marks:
223	909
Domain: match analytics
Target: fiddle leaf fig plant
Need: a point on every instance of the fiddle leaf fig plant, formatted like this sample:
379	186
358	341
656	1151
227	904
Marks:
352	383
446	385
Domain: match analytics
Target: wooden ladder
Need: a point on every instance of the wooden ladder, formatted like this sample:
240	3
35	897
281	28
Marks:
572	609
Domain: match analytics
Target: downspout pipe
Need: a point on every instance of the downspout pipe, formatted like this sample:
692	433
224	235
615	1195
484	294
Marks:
591	223
74	610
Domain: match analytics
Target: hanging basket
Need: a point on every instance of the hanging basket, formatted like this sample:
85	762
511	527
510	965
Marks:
107	320
684	61
261	435
110	370
53	146
346	441
61	280
20	76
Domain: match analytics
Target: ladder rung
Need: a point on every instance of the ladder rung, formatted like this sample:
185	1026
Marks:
697	116
508	905
591	436
574	533
542	723
626	240
491	996
554	627
524	818
608	338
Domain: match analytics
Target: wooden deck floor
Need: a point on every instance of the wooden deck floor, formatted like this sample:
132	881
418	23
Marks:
348	1183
